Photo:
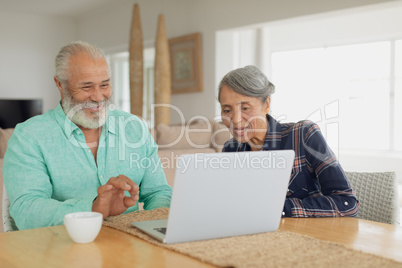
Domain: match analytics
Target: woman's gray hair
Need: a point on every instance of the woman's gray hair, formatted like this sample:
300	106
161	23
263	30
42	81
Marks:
248	81
74	48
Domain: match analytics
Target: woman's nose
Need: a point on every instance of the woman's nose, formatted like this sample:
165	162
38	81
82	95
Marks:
236	118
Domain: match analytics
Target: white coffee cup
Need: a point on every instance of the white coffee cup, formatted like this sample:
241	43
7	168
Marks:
83	227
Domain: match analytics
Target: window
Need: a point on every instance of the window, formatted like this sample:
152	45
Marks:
120	80
119	65
343	71
355	77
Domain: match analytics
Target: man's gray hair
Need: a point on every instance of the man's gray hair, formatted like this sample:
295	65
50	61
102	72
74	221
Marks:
248	81
74	48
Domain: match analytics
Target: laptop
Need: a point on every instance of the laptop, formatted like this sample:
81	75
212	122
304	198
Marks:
224	194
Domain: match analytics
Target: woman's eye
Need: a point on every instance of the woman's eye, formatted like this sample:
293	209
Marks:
226	111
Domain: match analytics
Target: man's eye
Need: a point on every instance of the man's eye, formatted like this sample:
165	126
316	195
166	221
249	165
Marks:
105	85
226	111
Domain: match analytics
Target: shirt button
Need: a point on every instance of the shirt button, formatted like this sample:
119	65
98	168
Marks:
283	213
78	132
101	176
288	190
89	150
346	203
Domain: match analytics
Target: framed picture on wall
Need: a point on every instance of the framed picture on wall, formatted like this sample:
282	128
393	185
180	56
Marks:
186	63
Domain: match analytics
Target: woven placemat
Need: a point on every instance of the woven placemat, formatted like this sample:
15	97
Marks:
272	249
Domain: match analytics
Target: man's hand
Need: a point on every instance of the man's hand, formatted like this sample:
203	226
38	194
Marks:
111	200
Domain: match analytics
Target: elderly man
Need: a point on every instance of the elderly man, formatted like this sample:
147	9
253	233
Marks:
83	155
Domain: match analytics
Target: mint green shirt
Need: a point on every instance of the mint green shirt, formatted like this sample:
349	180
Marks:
50	171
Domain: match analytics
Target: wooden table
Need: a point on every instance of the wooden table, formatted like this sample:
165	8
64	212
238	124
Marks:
373	237
51	246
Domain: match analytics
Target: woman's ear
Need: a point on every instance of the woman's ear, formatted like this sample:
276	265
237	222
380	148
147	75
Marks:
267	105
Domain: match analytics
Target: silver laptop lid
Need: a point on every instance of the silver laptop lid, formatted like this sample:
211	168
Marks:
228	194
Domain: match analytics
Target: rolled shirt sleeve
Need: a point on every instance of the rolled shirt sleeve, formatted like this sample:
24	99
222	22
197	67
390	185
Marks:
334	195
145	164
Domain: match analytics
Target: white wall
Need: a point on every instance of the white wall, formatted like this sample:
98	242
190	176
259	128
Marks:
28	46
338	28
110	29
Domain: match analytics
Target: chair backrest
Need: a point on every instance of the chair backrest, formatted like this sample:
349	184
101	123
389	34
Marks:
378	195
8	222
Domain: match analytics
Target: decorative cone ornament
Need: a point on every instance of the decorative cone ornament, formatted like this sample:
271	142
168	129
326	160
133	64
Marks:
136	63
163	78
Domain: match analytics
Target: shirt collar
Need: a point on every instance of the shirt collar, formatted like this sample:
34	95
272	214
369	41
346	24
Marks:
69	127
65	123
273	137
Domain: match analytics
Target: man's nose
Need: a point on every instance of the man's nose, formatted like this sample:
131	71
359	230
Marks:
97	94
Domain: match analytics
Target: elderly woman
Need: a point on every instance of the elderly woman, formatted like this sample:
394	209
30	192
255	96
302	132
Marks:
318	186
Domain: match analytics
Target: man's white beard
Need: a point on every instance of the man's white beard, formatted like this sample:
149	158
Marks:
75	111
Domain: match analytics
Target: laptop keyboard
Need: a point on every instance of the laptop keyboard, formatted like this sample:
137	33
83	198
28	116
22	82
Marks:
161	230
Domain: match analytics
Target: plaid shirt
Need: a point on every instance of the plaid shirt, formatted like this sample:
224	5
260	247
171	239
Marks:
318	186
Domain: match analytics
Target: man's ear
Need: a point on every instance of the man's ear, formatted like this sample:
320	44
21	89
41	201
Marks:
267	105
59	85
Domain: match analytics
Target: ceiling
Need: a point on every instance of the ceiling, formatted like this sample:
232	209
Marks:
68	8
